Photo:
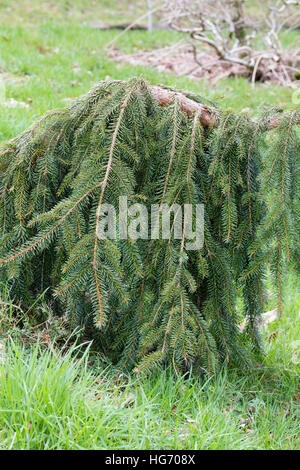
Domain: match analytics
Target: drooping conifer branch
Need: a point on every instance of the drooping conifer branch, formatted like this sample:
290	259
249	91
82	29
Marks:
208	116
150	302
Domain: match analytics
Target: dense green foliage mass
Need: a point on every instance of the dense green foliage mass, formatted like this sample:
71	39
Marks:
150	302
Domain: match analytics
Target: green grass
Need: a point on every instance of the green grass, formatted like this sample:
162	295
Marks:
48	57
50	400
53	398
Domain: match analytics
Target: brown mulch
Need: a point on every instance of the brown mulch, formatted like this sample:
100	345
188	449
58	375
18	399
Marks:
180	60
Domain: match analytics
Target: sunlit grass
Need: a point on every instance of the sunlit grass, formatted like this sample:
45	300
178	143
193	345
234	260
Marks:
56	395
51	63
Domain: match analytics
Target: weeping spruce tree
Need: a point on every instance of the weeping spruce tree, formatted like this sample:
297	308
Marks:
147	303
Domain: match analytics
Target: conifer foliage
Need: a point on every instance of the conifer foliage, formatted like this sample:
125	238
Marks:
147	303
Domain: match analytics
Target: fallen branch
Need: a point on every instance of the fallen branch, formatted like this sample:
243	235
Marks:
208	116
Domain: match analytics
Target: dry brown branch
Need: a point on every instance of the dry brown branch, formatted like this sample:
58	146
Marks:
208	116
225	27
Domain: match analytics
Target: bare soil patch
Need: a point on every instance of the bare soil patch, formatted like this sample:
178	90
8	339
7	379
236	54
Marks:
183	60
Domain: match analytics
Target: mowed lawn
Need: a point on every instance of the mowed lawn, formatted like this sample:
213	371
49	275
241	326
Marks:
50	54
